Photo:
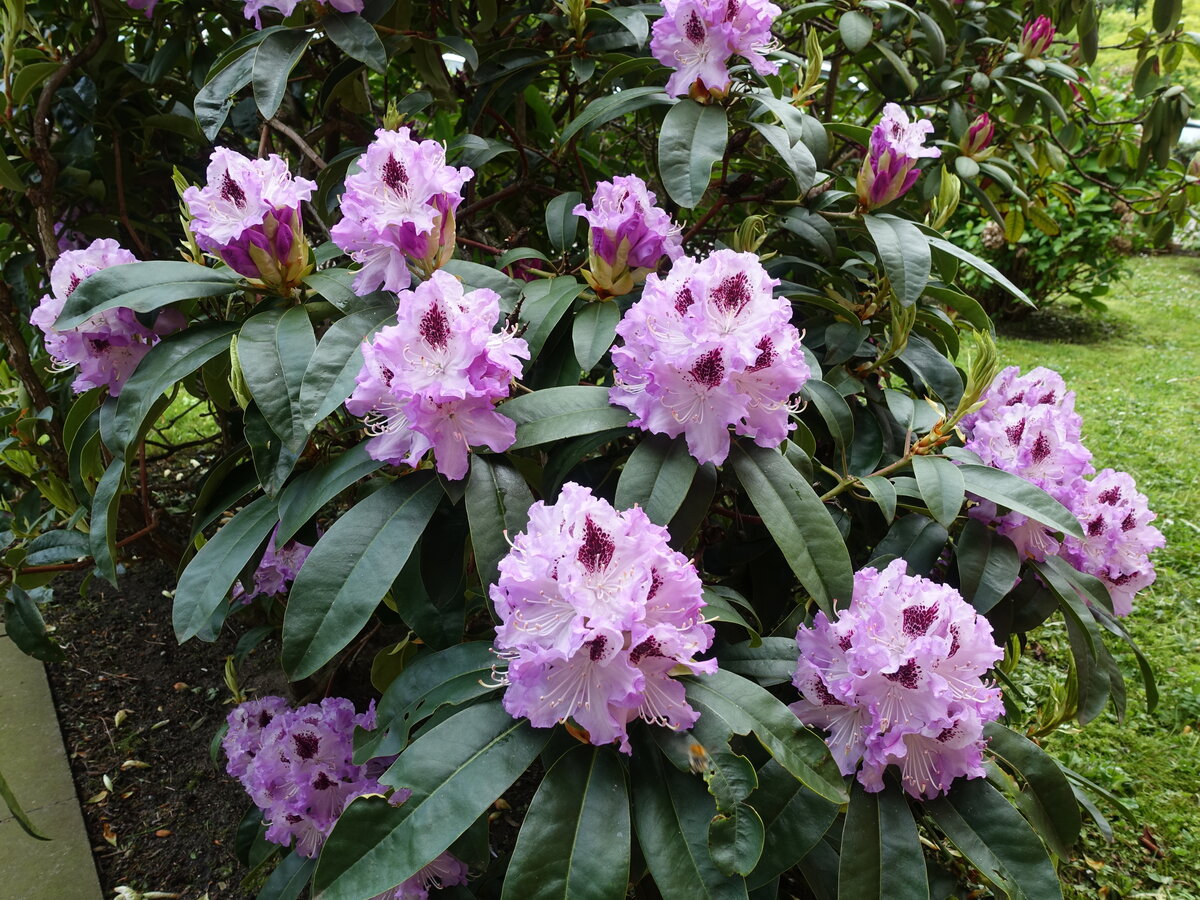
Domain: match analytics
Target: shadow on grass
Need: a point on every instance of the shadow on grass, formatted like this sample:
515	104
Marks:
1066	325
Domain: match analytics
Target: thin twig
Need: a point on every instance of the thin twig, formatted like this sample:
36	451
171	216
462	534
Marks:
292	135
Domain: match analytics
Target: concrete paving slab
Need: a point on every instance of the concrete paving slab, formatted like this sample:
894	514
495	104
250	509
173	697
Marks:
35	765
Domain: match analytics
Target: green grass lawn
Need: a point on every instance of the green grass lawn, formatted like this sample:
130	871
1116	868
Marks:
1139	394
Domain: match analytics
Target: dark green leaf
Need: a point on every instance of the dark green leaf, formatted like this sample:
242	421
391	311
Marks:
917	540
930	367
855	28
356	37
274	350
657	477
881	853
883	492
593	331
1049	794
304	497
273	462
692	140
208	577
771	662
735	840
289	879
215	99
102	524
555	413
798	521
988	565
274	60
795	155
985	267
329	377
941	485
1165	15
498	501
351	568
985	828
833	409
51	547
904	251
143	287
724	604
575	841
455	772
794	818
544	303
1020	496
24	625
607	108
562	225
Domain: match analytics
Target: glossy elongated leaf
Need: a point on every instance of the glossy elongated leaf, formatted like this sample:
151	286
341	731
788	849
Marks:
356	37
543	305
143	287
735	839
18	812
746	707
904	251
772	662
976	263
916	539
273	461
351	568
24	625
562	225
722	604
794	818
303	497
593	331
941	485
833	409
498	501
881	856
883	492
576	838
671	812
691	141
855	28
1020	496
795	155
988	565
605	109
449	676
102	524
289	878
274	349
215	99
274	60
798	521
555	413
455	771
1050	801
52	547
172	359
211	573
657	476
985	828
930	368
329	378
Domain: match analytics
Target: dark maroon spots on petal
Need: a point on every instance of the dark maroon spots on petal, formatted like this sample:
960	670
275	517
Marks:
323	782
1128	523
709	369
917	619
293	819
826	698
99	344
647	648
1112	496
597	549
694	30
1041	448
732	8
733	293
307	744
906	675
395	175
1123	578
844	642
954	645
655	583
232	191
1047	398
74	284
596	648
766	355
264	718
387	375
435	327
1014	432
948	733
1096	527
683	300
1015	399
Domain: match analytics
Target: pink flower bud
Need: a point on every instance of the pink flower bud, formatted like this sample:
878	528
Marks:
1036	37
889	169
976	143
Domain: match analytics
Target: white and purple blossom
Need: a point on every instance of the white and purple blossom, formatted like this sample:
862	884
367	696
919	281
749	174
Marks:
253	9
399	208
629	235
706	347
109	345
595	611
249	215
898	679
431	380
889	169
1118	537
696	38
276	571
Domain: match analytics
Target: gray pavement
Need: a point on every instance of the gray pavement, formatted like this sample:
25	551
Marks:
35	765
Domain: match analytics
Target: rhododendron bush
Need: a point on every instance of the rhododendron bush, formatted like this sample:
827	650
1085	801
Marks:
600	367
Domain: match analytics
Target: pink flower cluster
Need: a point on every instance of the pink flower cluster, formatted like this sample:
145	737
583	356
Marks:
706	347
398	207
276	571
897	679
696	38
890	167
596	610
253	8
629	235
431	380
298	767
1028	426
249	215
109	345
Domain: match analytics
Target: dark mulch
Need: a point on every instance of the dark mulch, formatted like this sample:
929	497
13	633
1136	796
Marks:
167	823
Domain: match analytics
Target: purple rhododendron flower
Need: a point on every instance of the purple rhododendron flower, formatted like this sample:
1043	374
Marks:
696	38
109	345
276	571
706	347
629	235
1118	537
431	380
1036	37
346	5
595	611
897	679
889	169
253	8
249	215
399	207
146	6
298	767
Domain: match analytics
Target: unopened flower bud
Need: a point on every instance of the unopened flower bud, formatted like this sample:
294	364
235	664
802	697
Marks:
1036	37
889	169
977	142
